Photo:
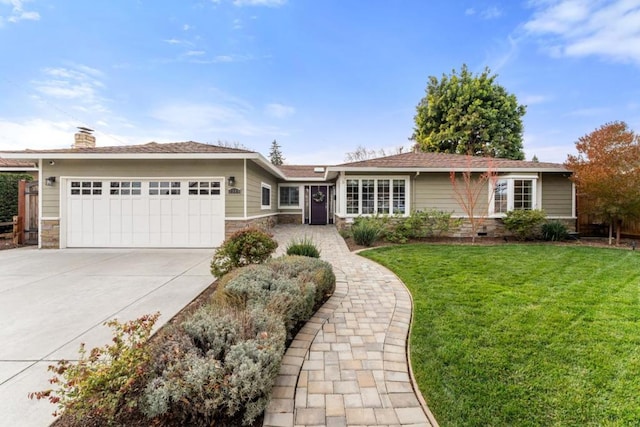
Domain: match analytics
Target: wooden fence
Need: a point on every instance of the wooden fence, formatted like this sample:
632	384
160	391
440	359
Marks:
591	225
25	224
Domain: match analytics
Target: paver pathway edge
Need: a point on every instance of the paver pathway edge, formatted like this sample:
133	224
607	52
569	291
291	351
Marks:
349	364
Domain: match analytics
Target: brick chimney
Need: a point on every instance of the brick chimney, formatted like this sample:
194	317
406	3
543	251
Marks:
84	138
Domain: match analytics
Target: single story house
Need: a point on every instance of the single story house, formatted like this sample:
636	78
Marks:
189	194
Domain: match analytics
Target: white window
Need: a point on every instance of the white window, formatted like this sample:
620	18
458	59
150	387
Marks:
367	196
265	196
513	193
289	197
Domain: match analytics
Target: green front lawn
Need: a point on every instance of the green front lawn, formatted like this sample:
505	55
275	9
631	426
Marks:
523	335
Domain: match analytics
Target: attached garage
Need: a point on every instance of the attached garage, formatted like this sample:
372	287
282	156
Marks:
142	212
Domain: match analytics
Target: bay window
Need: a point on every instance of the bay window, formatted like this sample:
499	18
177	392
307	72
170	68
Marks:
367	196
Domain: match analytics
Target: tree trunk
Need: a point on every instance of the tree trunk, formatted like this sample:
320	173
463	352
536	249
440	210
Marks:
618	228
610	232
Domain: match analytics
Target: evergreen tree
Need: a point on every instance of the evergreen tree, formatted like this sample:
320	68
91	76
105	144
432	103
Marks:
275	155
469	114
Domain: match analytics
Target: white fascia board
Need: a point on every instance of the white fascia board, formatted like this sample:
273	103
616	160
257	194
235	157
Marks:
257	157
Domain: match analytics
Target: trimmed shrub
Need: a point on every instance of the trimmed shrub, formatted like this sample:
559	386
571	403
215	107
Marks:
366	231
262	288
244	247
554	231
420	225
219	365
304	247
524	224
101	384
307	269
201	389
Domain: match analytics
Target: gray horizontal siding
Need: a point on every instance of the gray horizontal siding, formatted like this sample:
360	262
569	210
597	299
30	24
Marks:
557	196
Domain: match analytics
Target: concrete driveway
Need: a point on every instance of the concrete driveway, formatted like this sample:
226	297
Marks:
52	300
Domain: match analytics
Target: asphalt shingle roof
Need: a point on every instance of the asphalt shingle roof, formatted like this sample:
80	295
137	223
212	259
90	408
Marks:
455	161
151	147
14	163
302	171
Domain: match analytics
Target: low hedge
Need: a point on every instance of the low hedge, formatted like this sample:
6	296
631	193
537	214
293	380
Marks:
219	365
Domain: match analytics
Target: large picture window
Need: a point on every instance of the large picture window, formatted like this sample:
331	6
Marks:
513	194
289	197
368	196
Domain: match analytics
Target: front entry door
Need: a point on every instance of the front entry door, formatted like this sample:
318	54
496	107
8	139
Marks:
319	202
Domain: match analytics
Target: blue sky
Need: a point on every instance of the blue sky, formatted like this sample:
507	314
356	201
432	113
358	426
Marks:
320	77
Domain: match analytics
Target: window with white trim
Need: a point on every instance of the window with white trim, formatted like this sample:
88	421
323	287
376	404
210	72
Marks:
289	196
514	193
367	196
265	196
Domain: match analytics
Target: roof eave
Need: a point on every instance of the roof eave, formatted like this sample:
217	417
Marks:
257	157
444	169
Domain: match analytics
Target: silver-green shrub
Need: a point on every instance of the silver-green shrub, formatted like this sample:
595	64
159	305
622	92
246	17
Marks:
261	287
307	270
219	365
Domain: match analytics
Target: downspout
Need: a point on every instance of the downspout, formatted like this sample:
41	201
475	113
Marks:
40	225
244	190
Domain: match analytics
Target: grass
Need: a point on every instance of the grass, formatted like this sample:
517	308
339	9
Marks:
524	335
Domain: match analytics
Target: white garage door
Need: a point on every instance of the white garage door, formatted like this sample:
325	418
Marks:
155	213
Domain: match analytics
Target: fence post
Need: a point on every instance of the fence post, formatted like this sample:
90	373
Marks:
22	210
18	230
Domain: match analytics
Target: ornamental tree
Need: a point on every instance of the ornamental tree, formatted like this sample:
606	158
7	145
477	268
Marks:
606	171
469	190
469	114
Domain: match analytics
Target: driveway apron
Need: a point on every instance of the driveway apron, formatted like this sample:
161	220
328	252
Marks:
52	300
348	365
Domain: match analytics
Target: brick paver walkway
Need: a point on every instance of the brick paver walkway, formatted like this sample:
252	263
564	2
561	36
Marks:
348	365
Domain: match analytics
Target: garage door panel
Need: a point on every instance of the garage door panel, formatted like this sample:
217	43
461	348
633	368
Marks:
144	213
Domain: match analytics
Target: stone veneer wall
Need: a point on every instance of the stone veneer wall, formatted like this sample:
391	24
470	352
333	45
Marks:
289	218
50	233
265	223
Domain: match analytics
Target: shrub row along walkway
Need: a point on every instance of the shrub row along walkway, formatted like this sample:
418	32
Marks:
348	365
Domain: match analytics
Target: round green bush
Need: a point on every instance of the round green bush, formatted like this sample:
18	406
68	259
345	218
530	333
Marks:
244	247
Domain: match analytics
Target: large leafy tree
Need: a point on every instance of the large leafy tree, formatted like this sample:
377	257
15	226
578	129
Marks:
606	171
469	114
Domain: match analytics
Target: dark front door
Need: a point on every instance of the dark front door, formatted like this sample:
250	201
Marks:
319	203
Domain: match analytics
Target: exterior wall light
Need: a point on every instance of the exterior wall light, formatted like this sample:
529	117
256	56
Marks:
50	181
232	181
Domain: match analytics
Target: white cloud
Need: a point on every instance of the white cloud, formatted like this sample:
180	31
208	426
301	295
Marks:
186	27
268	3
578	28
74	88
491	12
36	134
224	59
588	112
18	13
195	53
218	121
532	99
279	111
